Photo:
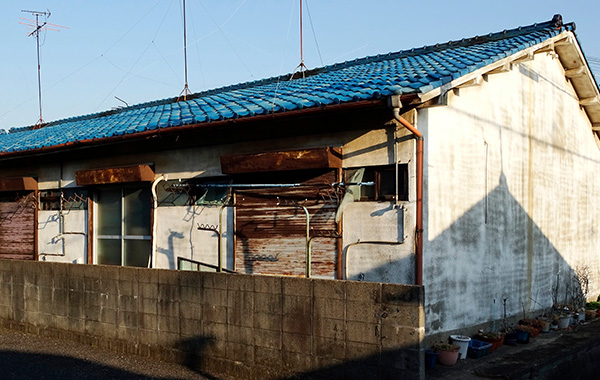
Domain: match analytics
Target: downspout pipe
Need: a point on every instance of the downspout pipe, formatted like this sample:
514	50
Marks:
152	261
396	106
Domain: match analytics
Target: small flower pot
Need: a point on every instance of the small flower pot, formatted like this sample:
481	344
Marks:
510	339
447	357
522	336
430	358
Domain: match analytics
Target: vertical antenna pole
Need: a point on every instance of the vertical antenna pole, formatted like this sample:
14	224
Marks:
37	28
186	89
301	40
37	38
301	67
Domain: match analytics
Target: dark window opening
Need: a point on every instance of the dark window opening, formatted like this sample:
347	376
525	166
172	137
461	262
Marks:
72	199
208	191
377	183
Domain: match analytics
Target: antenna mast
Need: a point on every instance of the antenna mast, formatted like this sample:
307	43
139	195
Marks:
301	67
186	89
37	28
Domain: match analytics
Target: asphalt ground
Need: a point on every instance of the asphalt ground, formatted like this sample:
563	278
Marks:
26	356
572	354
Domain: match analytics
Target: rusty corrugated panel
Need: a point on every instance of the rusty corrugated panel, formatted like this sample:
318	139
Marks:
136	173
314	158
18	184
17	237
271	231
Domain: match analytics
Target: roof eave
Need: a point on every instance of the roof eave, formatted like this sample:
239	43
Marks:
306	112
577	70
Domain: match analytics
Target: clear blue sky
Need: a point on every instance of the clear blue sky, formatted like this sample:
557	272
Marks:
134	49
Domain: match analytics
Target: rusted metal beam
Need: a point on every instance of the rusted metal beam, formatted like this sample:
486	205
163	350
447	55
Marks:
137	173
315	158
18	184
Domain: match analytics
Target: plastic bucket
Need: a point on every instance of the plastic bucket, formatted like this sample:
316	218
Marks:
462	342
563	322
430	358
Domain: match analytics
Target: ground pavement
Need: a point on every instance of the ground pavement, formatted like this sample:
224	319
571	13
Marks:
573	354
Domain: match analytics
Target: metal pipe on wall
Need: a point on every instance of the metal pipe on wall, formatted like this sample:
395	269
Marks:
396	105
152	259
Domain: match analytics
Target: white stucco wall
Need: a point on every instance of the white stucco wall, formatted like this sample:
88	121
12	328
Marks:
68	245
178	235
511	196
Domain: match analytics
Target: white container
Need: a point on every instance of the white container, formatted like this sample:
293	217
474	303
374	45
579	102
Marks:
462	342
563	322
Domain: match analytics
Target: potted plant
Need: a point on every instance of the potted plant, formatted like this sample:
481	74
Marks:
523	332
496	339
447	352
592	309
536	325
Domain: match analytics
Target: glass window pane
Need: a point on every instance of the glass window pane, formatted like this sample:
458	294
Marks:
109	212
387	184
109	251
137	253
136	209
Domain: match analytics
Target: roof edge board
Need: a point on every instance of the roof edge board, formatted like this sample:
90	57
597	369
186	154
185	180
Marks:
505	64
594	100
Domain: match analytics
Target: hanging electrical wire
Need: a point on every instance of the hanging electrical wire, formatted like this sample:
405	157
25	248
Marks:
226	39
285	45
313	31
127	73
132	27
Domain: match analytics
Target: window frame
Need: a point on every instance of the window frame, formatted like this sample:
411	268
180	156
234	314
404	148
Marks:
376	174
122	237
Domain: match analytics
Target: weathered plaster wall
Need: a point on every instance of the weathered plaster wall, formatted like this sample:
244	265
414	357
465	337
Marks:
68	245
177	234
511	196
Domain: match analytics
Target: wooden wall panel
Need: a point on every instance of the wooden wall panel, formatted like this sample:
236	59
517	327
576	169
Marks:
17	230
271	230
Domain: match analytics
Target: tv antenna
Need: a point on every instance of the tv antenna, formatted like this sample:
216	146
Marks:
38	27
301	67
186	89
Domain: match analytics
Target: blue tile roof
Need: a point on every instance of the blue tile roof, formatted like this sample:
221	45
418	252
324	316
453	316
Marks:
405	72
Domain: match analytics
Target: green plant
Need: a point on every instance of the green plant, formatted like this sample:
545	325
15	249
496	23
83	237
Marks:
594	305
442	346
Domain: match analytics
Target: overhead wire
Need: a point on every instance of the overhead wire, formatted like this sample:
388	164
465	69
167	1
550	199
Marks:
156	47
313	31
132	27
226	39
200	65
129	72
124	76
285	45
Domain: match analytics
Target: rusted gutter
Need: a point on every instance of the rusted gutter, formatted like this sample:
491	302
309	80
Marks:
396	105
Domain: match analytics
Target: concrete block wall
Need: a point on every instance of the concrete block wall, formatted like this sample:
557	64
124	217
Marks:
243	326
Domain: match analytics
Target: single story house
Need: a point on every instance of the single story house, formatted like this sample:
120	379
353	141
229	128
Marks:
468	167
